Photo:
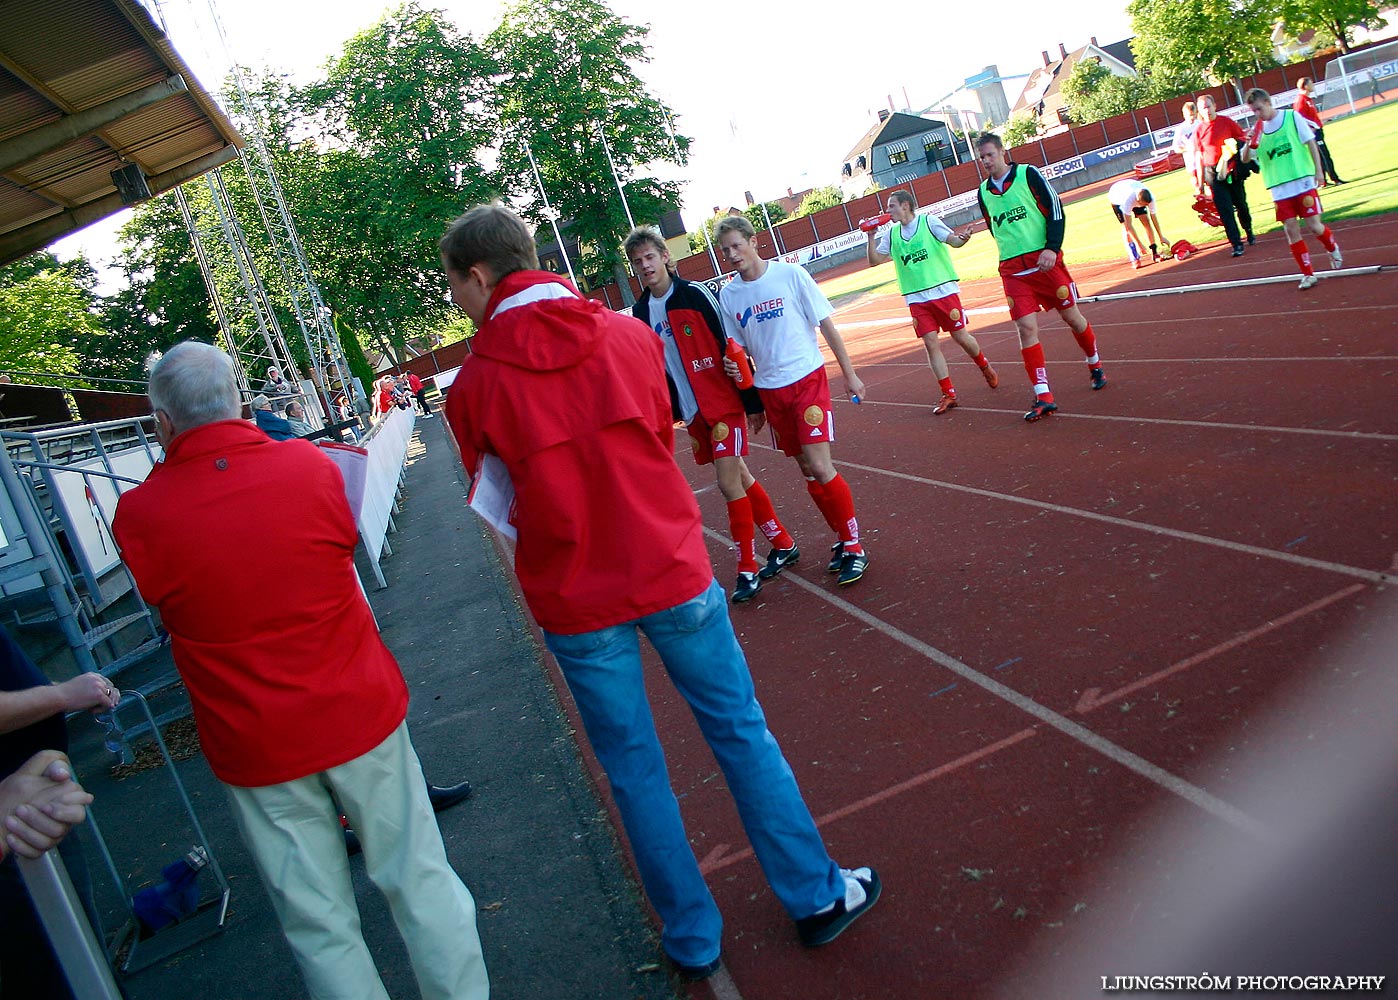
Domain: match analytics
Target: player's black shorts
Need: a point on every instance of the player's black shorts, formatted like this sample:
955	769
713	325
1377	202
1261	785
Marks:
1140	212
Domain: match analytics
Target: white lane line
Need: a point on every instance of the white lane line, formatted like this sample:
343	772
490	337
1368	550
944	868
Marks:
1214	286
721	985
1120	755
1367	575
1170	421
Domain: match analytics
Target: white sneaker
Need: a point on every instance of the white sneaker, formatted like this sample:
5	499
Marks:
1307	281
1337	259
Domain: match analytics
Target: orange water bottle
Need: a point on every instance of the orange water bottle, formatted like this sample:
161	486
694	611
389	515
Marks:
740	358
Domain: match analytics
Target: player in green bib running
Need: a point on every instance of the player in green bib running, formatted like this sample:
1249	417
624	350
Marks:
1026	218
1284	144
917	245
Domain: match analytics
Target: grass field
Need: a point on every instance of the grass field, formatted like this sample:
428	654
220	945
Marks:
1365	148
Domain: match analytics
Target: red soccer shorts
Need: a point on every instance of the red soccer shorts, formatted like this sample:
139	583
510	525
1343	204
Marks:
726	437
939	314
1028	293
799	414
1300	206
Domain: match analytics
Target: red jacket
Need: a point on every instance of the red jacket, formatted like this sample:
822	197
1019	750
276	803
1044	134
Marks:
285	668
1305	107
572	398
414	383
1209	138
694	320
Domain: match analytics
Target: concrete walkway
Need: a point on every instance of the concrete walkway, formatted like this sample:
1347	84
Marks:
560	916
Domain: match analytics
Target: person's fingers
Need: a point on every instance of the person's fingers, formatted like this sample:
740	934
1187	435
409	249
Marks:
34	826
46	763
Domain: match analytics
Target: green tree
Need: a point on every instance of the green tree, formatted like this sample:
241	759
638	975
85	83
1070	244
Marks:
567	73
1094	92
754	214
1218	40
1019	130
403	129
1335	18
44	310
818	200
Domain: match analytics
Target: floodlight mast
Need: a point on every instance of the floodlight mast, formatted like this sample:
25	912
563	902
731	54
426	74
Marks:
704	226
553	216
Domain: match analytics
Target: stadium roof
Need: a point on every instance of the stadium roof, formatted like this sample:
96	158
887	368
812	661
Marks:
87	87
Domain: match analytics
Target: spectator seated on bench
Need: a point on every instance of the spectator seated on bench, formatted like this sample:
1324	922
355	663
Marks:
274	425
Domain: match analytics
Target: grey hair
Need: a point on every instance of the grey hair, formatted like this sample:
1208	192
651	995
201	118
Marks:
195	384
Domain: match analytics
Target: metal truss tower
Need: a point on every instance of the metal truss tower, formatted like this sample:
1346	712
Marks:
249	325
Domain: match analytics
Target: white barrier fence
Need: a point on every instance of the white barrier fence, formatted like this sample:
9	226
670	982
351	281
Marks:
381	471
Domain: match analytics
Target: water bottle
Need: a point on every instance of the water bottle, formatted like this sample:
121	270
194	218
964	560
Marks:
740	358
114	741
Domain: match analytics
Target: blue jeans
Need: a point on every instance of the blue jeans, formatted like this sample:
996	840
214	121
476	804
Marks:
695	641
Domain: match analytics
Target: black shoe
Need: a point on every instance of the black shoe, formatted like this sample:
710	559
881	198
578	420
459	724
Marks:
852	566
1238	250
837	557
778	560
694	973
748	586
1251	238
822	928
446	797
1098	379
1040	409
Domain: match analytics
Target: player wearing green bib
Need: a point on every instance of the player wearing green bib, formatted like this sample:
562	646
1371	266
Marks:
1284	144
917	245
1026	218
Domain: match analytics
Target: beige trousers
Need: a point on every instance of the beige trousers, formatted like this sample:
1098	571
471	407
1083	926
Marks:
293	831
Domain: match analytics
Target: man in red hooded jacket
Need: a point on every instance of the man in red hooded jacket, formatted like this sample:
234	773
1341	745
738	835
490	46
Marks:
572	399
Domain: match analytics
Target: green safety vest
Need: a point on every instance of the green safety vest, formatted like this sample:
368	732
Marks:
1282	154
922	262
1016	222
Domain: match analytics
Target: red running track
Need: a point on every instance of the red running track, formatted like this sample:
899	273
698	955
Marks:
1066	626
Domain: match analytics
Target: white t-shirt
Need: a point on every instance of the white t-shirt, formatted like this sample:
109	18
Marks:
774	319
1305	133
883	243
1184	143
1123	194
674	364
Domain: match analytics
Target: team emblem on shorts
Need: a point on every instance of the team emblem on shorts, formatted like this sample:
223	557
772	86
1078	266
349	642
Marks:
1308	201
694	443
955	315
721	431
1062	291
688	330
1009	301
814	416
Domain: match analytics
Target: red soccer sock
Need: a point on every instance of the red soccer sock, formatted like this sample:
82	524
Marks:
817	492
1087	340
837	504
740	527
947	387
1038	374
1327	239
766	517
982	361
1303	256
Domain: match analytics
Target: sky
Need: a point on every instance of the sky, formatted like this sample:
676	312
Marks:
772	93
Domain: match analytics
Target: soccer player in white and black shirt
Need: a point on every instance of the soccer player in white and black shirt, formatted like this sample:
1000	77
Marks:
772	309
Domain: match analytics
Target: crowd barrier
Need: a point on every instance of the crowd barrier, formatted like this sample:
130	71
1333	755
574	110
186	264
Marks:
373	474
